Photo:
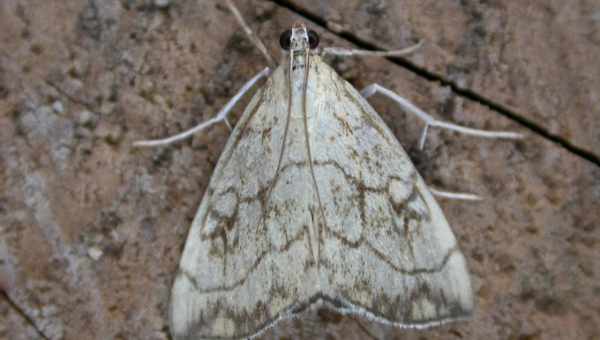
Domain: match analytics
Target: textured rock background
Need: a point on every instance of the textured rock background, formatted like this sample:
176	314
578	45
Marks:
91	230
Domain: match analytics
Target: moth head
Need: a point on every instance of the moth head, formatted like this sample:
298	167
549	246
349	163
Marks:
298	38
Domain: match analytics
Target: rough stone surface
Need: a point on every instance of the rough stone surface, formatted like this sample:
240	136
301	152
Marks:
72	187
536	58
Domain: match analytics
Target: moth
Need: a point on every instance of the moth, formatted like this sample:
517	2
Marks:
313	202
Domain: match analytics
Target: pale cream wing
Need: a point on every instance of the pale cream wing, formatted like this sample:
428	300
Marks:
248	260
388	252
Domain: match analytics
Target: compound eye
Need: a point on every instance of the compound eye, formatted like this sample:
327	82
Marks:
285	40
313	39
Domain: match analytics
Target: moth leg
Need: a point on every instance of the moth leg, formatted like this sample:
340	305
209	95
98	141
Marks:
430	121
342	51
253	37
221	116
455	195
228	124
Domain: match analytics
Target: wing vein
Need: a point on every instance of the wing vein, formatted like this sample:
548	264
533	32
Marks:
310	160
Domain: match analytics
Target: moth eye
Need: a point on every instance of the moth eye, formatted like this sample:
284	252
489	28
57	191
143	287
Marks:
285	40
313	39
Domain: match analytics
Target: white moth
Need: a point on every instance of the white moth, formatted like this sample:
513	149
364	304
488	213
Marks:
315	203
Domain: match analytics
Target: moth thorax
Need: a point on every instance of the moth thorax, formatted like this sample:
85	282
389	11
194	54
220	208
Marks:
298	88
299	62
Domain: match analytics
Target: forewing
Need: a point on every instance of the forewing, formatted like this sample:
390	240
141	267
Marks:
247	260
388	251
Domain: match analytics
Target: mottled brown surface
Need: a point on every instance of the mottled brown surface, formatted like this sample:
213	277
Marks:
81	80
538	59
